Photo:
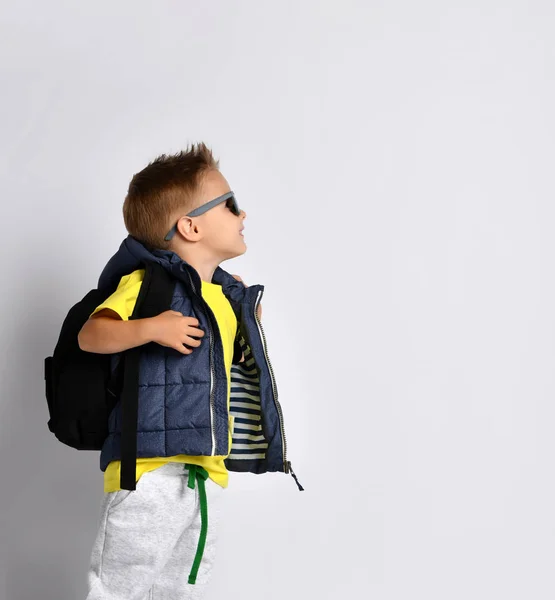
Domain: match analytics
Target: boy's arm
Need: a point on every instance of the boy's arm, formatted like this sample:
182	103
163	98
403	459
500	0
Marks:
107	333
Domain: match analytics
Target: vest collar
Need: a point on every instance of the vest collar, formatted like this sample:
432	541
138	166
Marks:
132	253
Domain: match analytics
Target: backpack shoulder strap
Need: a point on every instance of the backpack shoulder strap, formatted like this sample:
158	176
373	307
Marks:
155	296
156	292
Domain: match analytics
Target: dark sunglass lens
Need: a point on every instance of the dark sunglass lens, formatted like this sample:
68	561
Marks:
232	205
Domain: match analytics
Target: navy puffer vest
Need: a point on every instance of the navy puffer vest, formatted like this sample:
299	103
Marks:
182	401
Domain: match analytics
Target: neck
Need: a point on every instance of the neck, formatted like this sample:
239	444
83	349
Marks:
204	266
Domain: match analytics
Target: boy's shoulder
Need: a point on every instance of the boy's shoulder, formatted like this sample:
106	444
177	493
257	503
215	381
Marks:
134	276
131	279
123	298
130	284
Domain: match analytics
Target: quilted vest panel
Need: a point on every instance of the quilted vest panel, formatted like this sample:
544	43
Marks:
176	412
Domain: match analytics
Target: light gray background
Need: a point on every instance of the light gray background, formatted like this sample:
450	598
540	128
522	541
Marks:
395	160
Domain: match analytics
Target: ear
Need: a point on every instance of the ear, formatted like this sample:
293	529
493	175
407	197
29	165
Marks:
186	227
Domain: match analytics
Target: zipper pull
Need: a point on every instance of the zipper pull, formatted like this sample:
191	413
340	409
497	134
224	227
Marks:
289	468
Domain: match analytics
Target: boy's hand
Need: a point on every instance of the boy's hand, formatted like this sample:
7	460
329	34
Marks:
173	329
260	305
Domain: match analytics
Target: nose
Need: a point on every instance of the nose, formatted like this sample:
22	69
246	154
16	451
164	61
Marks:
243	214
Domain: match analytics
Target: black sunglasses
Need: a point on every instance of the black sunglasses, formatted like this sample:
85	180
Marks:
231	203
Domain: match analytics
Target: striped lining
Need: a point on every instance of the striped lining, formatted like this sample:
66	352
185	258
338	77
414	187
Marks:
248	440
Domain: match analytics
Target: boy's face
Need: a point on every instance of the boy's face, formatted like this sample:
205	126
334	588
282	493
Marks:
218	229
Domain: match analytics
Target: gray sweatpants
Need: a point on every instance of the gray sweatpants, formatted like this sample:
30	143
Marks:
148	537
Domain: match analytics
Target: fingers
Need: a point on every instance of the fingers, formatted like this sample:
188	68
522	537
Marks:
190	341
195	332
188	331
239	279
181	348
192	321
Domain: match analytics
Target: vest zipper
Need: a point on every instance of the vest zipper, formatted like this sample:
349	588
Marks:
211	369
286	464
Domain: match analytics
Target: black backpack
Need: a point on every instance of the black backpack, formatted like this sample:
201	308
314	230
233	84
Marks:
82	389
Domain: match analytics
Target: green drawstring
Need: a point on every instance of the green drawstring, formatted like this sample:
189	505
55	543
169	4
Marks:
201	475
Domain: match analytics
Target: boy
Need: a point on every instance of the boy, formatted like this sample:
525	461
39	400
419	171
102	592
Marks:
156	541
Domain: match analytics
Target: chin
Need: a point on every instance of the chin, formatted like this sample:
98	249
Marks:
235	253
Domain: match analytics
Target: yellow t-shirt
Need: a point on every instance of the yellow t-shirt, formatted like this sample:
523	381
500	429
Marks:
122	301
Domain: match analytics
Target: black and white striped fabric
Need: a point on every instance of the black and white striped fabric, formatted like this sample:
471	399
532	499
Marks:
248	441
